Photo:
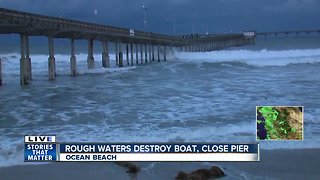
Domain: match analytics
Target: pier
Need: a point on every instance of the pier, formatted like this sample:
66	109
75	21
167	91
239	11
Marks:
286	33
137	47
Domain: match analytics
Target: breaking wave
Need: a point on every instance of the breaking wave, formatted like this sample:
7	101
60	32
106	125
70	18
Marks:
258	58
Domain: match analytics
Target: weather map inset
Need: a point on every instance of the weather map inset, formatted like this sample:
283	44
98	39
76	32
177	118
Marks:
279	122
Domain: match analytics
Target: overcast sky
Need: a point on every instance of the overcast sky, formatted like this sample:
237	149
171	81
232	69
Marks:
214	16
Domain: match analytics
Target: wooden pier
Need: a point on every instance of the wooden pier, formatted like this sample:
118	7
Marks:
147	46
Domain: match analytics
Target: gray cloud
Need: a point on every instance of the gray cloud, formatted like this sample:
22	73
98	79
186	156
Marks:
294	6
215	16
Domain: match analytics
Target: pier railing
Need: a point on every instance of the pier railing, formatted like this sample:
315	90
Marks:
39	25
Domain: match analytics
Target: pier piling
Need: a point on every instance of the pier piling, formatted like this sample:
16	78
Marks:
127	52
164	54
117	53
137	54
28	60
152	52
23	63
120	59
90	59
146	53
51	60
158	52
73	60
105	55
131	51
141	53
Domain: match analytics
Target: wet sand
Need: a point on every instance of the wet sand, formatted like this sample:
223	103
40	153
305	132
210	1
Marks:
275	164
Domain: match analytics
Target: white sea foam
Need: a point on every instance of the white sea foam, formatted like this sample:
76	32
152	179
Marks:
258	58
254	57
169	108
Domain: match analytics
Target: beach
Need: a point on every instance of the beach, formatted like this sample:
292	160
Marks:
274	164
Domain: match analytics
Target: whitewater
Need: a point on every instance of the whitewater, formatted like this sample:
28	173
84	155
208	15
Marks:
193	97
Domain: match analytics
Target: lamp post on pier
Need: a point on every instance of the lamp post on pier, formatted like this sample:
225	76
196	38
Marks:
145	8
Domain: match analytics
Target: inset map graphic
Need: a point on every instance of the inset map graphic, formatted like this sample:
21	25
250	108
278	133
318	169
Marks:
279	122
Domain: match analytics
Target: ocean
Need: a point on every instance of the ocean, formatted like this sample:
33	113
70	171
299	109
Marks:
192	97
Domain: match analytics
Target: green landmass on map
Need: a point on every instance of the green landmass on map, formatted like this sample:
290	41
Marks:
281	122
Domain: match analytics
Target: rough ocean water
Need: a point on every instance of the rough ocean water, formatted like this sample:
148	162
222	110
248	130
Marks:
197	97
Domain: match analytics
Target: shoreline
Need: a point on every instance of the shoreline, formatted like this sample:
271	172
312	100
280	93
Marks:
283	164
278	164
